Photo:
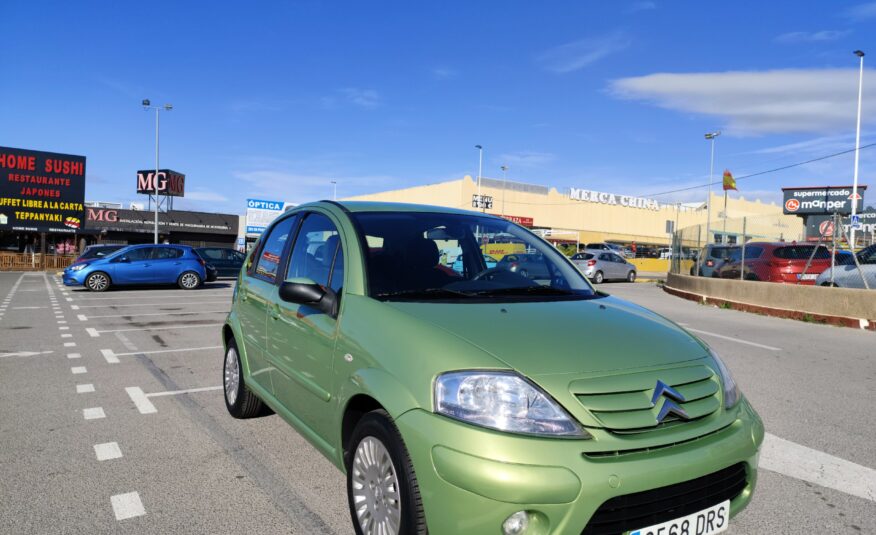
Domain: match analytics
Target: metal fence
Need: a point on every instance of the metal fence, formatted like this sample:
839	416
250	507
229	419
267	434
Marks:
34	261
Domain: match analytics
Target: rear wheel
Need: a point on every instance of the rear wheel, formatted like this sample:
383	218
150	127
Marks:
631	276
598	277
189	280
97	281
240	402
382	488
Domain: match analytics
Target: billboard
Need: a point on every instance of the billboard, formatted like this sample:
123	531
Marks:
260	213
821	200
41	191
170	183
118	220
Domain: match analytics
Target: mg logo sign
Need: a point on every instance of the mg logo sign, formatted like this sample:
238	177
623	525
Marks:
100	214
170	182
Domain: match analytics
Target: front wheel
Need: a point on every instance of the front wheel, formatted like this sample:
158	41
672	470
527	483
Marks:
631	276
382	488
189	280
97	281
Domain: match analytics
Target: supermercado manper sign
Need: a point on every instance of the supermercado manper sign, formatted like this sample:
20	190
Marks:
613	199
821	200
41	191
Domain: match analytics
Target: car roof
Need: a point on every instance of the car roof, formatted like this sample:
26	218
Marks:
375	206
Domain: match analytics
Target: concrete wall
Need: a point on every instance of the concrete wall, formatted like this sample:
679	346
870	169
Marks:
813	300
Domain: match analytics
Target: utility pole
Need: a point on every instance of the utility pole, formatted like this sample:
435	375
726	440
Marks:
860	54
147	105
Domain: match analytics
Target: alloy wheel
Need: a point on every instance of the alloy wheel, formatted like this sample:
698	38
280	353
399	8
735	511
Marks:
97	282
232	376
189	280
375	489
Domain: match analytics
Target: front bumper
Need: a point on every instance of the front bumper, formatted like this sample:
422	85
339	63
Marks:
74	278
472	479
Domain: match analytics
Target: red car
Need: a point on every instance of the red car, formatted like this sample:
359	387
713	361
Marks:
777	262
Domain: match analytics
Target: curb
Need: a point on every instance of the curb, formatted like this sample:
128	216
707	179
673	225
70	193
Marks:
808	317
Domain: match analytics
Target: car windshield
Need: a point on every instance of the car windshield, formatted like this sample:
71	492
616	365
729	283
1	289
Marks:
420	256
99	252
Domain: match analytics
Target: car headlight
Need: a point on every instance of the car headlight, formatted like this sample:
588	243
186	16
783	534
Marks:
78	267
503	401
731	390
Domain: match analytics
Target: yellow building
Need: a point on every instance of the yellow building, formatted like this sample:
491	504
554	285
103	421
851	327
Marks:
586	216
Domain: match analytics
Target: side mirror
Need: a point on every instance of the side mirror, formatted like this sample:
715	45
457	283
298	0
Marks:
306	292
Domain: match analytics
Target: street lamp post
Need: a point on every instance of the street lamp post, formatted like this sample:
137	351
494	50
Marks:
480	172
335	194
860	54
504	180
147	105
711	137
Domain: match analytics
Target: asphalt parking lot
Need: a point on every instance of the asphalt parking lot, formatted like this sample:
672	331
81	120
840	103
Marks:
113	420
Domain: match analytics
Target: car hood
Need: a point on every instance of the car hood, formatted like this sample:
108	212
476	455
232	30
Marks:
563	337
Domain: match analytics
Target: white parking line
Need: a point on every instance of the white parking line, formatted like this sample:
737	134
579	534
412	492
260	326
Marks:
140	400
74	307
164	314
107	451
800	462
205	348
66	335
77	370
94	413
96	333
92	332
127	505
150	304
82	317
61	322
63	328
188	391
25	354
84	388
74	355
214	293
69	299
109	356
737	340
69	344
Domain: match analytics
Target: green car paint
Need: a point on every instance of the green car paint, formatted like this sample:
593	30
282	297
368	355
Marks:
596	358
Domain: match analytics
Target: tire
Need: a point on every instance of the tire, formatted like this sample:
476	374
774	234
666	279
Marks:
240	402
376	451
598	277
631	276
189	280
98	282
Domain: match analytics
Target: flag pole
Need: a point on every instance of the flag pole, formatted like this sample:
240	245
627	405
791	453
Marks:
725	214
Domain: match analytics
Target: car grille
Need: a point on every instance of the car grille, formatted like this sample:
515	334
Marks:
634	511
622	404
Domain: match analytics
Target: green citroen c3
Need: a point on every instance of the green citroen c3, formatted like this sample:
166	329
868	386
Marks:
465	399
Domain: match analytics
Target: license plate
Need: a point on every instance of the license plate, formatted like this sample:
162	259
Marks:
807	277
706	522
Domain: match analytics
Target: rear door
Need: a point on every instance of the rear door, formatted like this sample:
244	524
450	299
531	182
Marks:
166	264
256	289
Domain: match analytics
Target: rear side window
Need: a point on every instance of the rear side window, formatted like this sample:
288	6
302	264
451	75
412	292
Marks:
272	252
752	252
801	252
165	253
211	254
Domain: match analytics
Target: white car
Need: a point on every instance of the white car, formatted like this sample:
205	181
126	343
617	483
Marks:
848	275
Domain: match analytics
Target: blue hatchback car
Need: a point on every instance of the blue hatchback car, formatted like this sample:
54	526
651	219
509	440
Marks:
140	264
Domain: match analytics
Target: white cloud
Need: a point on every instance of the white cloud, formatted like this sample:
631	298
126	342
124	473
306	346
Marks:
579	54
444	73
365	98
812	37
758	102
527	158
861	11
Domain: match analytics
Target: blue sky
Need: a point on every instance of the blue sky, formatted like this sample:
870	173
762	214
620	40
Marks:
278	101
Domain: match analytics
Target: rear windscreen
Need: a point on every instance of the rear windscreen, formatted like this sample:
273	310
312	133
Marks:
801	252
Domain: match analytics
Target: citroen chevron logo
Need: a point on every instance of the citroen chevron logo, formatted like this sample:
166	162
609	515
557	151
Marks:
663	390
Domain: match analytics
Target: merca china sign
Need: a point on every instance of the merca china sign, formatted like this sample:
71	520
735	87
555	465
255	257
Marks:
600	197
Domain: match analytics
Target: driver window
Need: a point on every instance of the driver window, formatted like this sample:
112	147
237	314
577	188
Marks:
317	249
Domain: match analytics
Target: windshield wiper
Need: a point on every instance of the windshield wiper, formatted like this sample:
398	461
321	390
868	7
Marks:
427	293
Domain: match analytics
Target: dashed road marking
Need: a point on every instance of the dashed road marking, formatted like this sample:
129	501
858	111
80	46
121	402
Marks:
77	370
107	451
109	356
74	355
793	460
66	335
63	328
127	505
140	400
92	332
61	322
69	299
74	307
69	344
84	388
82	317
93	413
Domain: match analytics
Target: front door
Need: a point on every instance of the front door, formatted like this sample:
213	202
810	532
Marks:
133	267
301	340
256	289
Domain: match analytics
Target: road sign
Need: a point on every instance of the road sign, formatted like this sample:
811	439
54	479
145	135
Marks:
856	222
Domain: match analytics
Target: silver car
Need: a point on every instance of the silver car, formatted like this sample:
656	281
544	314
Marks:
847	274
599	265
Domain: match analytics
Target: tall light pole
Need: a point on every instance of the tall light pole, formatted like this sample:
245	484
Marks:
504	180
711	137
480	172
860	54
147	105
335	194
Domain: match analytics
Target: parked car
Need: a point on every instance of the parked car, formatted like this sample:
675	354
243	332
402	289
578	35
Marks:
777	262
93	252
665	253
713	256
530	265
226	260
603	246
845	271
488	260
462	404
140	264
600	266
